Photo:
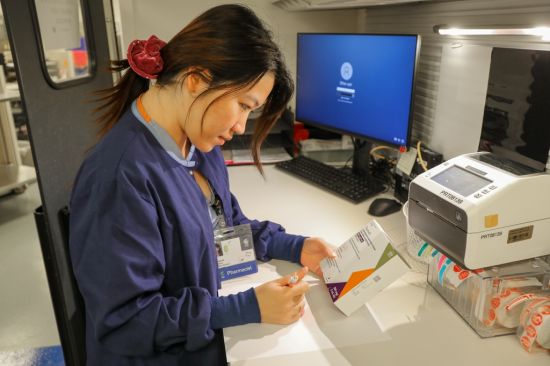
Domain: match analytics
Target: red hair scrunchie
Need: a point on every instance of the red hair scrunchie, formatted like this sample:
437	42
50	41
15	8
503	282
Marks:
144	57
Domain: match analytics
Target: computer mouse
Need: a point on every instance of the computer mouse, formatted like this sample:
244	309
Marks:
384	206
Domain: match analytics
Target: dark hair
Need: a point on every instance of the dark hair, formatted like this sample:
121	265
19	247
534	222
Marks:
227	46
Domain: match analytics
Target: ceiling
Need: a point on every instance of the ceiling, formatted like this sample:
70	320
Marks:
338	4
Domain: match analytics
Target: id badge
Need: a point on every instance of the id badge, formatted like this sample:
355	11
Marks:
235	249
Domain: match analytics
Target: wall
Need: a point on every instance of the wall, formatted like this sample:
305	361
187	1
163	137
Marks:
451	81
141	18
450	90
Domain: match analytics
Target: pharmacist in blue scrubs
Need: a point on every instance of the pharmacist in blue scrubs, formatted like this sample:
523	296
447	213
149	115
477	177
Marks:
149	195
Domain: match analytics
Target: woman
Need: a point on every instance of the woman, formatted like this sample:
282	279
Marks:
151	192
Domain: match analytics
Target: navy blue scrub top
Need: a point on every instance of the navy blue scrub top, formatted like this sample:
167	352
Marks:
142	249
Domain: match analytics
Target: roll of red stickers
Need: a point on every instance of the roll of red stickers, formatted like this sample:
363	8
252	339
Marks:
497	304
509	312
534	328
543	337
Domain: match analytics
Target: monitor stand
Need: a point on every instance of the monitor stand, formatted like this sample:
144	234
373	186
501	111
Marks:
361	158
361	166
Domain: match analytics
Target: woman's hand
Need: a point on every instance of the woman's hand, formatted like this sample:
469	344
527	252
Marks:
315	250
281	301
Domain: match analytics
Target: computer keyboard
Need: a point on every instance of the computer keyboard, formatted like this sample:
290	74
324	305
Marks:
338	181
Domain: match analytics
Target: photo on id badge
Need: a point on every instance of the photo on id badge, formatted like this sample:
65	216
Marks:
234	250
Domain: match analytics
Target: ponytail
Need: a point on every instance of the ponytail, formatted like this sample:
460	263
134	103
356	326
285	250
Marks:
114	101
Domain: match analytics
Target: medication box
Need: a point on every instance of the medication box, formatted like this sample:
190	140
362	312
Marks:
364	265
490	300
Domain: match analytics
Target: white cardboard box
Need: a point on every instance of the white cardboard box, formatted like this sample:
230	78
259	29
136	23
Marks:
364	265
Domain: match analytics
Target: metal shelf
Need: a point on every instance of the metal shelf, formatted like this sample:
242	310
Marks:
13	177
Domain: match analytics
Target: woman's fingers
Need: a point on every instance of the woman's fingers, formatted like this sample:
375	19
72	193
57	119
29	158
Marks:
298	289
298	299
299	310
294	278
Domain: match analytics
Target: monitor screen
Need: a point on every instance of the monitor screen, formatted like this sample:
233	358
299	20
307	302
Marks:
357	84
517	108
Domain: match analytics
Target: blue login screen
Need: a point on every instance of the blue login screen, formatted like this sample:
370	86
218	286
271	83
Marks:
359	84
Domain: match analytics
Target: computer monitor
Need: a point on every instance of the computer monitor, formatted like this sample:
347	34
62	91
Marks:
359	85
517	109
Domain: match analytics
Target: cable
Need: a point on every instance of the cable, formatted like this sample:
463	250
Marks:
347	162
381	147
420	160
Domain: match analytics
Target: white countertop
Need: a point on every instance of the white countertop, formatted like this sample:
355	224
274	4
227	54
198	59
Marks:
406	324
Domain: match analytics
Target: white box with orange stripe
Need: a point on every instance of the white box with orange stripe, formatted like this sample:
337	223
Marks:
364	265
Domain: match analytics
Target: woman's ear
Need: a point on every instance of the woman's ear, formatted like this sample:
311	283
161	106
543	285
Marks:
195	82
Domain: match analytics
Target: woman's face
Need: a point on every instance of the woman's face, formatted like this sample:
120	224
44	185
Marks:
226	116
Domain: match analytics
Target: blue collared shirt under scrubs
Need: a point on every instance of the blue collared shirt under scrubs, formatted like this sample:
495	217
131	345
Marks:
142	249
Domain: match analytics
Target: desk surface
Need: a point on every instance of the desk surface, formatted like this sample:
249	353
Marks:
406	324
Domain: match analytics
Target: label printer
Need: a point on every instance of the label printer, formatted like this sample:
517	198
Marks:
482	210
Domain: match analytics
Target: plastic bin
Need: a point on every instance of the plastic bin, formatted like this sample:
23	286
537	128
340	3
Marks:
490	300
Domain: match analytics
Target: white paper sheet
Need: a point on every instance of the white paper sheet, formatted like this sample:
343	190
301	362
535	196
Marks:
323	326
